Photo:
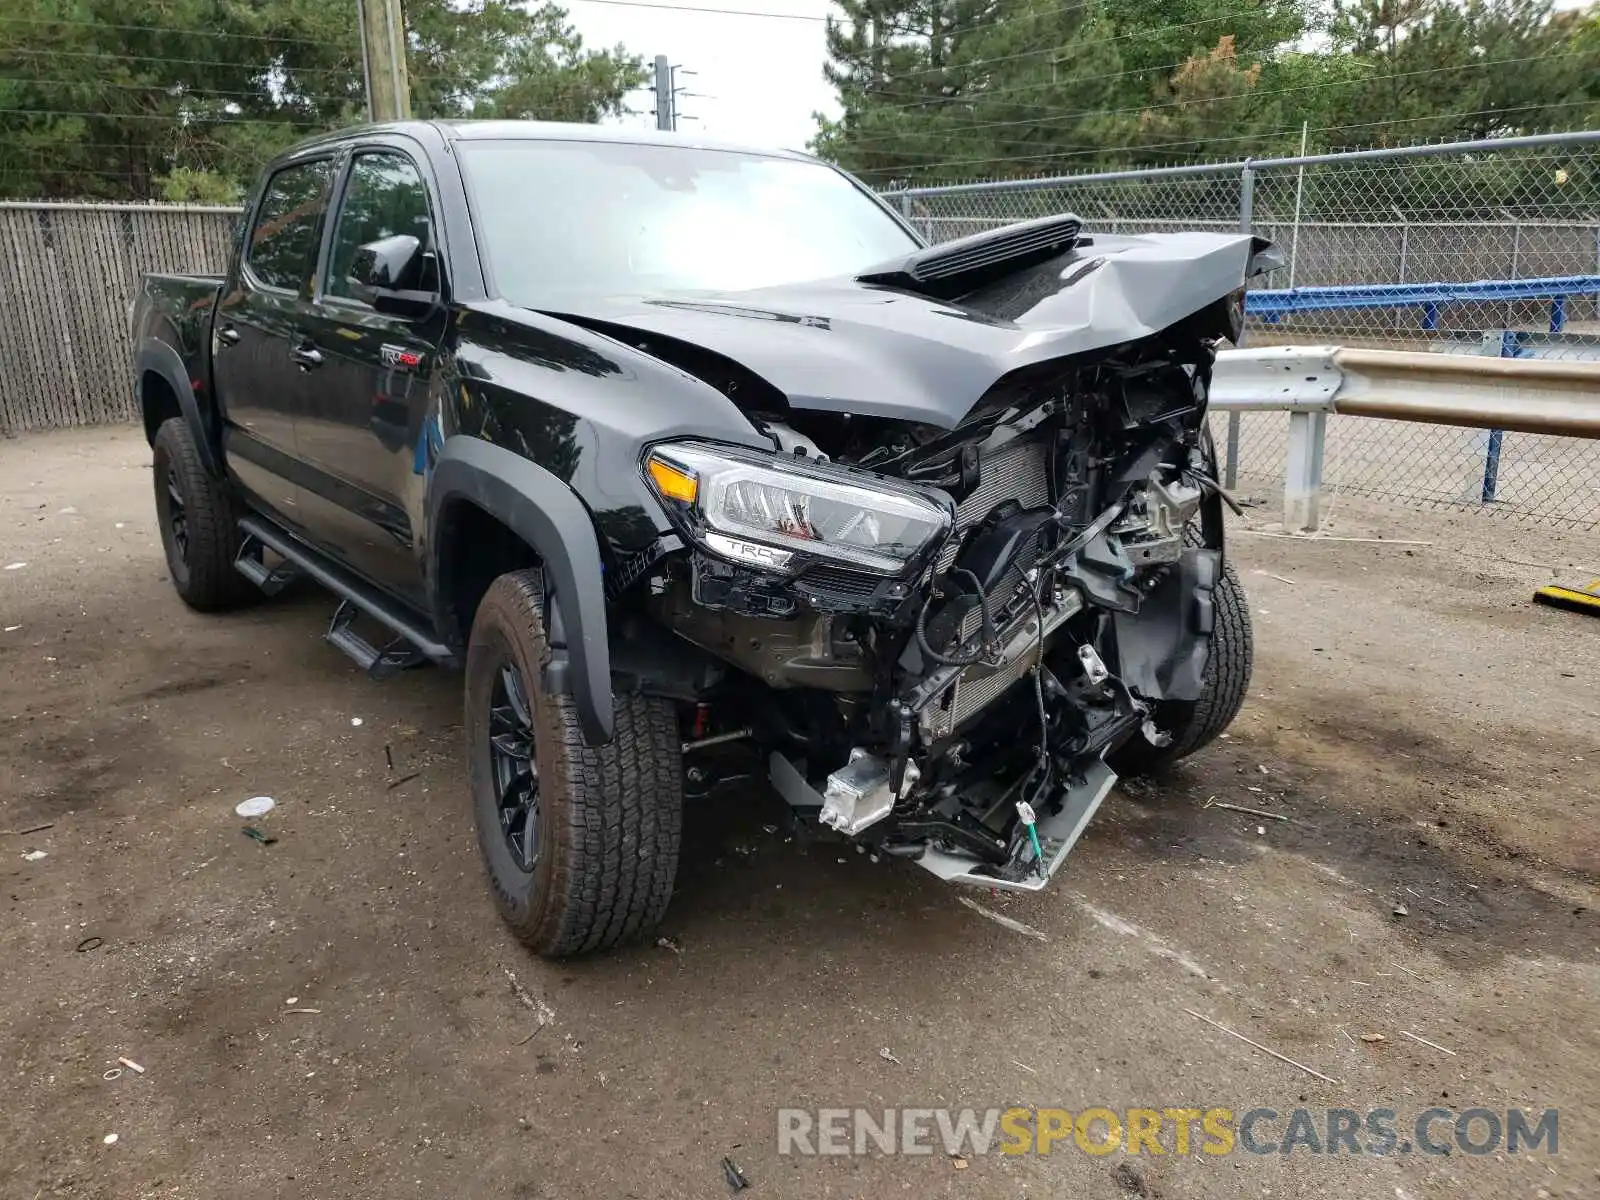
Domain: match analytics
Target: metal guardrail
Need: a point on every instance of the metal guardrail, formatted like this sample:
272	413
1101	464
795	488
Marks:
1524	395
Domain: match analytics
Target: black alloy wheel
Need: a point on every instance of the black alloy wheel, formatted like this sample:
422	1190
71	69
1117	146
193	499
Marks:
516	770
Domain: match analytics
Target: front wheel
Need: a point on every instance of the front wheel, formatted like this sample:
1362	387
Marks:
580	842
1193	724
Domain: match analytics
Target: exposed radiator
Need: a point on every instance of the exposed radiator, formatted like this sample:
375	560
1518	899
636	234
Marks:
1019	470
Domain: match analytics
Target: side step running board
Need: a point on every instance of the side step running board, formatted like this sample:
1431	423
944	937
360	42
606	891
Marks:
398	655
271	580
415	645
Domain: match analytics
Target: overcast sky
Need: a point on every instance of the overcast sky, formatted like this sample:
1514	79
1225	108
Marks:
761	77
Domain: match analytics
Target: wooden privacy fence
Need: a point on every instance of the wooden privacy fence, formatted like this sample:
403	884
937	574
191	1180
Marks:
68	273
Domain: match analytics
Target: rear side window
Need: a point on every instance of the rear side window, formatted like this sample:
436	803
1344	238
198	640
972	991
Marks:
385	196
283	240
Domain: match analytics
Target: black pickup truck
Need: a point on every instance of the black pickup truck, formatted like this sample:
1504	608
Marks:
697	457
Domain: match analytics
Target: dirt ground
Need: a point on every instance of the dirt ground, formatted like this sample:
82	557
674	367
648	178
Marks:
331	1015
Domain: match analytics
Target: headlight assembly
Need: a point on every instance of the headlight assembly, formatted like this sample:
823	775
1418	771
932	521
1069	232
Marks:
769	511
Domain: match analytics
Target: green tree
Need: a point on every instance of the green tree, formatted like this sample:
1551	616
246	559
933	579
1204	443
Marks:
184	99
1428	70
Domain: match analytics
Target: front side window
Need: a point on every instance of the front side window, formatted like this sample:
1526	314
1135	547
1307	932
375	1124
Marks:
384	197
558	217
283	240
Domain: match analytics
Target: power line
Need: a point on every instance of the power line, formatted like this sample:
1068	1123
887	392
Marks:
158	58
725	12
168	118
179	92
1135	35
998	93
1285	132
1249	96
194	33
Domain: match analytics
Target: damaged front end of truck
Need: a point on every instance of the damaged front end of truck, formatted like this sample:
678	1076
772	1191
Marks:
948	623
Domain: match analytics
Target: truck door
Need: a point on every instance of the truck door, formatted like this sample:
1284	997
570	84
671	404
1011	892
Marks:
361	425
256	332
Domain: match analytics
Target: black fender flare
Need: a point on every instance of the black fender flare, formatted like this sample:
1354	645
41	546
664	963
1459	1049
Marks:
546	514
158	358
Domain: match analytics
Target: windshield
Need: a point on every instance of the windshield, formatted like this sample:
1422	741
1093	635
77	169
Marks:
555	217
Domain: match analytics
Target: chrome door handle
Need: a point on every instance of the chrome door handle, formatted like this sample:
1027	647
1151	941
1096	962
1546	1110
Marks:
307	357
228	335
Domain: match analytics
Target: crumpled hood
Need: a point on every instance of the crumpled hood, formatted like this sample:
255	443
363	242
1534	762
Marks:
838	345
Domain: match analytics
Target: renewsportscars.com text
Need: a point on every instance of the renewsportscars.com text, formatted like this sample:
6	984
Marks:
1098	1130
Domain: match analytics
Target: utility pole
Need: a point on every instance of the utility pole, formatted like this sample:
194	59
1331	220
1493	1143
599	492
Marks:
666	102
383	58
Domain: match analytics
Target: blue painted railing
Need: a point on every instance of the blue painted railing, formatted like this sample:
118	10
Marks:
1273	305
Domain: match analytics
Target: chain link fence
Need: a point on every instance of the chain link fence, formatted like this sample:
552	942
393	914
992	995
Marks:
1372	224
1363	236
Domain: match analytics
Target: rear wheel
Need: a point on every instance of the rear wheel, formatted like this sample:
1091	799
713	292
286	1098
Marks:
199	523
1193	724
580	842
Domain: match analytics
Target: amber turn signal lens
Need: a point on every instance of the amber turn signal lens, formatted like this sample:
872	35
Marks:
672	483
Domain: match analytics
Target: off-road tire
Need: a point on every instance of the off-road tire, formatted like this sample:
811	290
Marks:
202	566
609	817
1196	723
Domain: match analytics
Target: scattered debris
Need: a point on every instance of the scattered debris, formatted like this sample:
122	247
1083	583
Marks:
1004	921
16	566
131	1065
1412	973
537	1030
388	755
1346	1033
110	1139
666	943
1024	1066
112	1075
36	829
35	855
292	1000
12	628
1263	1049
1262	767
403	779
355	720
90	943
544	1012
1373	1038
315	1012
255	835
1270	575
1125	928
1261	830
256	806
1400	910
733	1175
1239	808
1576	599
1426	1042
959	1163
888	1056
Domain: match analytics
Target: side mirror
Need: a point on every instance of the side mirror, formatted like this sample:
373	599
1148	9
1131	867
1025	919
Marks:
395	275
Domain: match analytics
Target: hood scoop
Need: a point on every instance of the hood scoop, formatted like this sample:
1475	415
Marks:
951	269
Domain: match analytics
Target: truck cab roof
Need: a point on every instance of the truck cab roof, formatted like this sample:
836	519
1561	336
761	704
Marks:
504	130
